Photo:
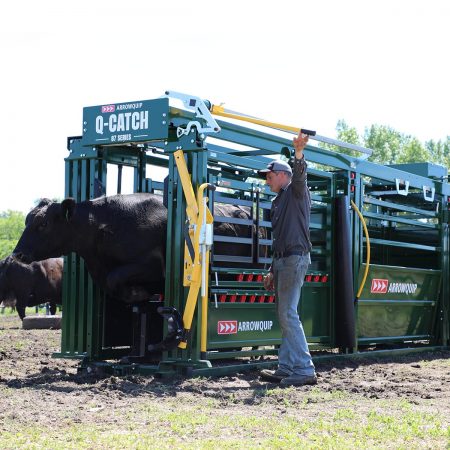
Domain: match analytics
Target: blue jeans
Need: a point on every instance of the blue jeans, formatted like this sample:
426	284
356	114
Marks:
289	274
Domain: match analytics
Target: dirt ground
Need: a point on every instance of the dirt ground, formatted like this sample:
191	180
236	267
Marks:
49	390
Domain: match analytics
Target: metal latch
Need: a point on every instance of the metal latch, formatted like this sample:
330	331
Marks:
199	107
404	183
428	193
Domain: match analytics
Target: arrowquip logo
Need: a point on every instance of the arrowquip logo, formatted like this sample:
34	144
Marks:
255	325
379	286
232	326
403	288
382	286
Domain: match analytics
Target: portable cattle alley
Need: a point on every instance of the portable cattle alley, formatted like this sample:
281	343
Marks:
379	275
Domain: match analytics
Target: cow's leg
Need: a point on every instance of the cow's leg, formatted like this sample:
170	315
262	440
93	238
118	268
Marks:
21	311
52	308
135	283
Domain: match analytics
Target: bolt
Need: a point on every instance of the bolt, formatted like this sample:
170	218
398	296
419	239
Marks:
164	114
163	122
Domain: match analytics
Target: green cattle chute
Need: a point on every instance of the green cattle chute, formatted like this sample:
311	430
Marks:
403	299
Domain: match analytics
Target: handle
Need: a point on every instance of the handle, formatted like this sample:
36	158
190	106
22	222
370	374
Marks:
308	132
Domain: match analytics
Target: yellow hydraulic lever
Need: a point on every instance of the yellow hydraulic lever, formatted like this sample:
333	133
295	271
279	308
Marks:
221	111
201	232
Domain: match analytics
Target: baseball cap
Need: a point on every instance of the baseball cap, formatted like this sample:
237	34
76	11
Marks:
275	166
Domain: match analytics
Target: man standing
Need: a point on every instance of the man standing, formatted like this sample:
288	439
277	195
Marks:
291	247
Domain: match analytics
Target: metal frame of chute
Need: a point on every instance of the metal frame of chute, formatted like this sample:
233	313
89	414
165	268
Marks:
205	111
199	119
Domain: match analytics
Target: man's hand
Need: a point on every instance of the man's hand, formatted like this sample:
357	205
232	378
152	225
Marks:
299	144
268	282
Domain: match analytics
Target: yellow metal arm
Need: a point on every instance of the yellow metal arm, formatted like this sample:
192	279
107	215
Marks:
197	271
220	111
191	204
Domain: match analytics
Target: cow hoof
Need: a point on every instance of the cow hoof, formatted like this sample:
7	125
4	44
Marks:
41	323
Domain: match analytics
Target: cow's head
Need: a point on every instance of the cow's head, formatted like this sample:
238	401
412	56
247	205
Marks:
47	231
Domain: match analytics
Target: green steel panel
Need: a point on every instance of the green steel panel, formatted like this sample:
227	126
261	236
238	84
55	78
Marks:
444	322
423	169
315	311
400	283
242	324
81	304
81	309
250	324
65	324
398	301
118	123
394	320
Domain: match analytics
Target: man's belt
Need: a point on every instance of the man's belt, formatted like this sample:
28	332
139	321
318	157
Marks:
277	255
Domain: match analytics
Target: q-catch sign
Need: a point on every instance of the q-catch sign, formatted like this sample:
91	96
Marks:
141	121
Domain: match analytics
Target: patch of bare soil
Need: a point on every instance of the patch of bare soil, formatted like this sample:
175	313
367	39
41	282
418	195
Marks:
38	388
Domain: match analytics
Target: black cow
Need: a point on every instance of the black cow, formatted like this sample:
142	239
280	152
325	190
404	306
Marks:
7	302
32	284
122	239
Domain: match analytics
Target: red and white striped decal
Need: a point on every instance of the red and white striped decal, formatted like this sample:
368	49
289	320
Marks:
379	286
227	327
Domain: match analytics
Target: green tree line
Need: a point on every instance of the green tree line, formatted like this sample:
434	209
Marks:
393	147
12	224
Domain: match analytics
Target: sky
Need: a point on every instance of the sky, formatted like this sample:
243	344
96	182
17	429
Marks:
300	63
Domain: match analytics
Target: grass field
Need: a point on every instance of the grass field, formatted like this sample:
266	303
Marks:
200	423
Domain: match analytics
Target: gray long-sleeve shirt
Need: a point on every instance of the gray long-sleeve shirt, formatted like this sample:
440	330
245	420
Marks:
290	213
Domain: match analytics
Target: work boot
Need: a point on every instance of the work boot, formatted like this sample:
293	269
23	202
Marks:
273	375
298	380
